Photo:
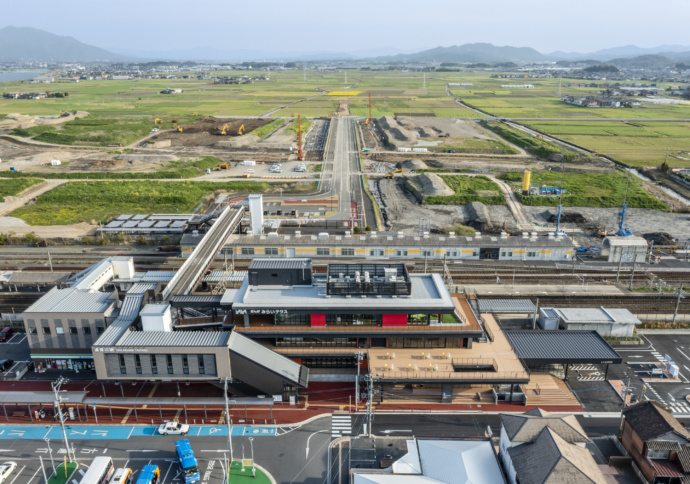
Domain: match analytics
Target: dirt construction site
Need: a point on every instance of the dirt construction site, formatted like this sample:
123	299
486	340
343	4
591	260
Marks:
399	194
208	131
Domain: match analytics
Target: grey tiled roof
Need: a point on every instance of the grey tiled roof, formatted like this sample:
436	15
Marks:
651	419
525	427
550	459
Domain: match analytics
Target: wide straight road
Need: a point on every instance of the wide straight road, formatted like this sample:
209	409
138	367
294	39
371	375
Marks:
291	454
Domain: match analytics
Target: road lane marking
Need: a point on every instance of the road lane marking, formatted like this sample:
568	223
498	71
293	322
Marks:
15	477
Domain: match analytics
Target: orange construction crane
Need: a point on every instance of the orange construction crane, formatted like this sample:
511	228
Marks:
299	138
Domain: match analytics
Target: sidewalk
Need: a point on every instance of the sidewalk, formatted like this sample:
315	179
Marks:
319	399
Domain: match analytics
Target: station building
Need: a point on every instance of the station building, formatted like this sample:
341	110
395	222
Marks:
286	325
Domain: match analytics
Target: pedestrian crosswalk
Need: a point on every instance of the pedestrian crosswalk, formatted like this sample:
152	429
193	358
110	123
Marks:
658	356
341	425
590	378
585	368
679	407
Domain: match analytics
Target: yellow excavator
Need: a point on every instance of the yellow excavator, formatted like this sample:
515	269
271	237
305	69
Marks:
158	121
240	131
177	128
399	170
195	113
224	130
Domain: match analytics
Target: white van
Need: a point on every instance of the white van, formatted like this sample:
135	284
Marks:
122	475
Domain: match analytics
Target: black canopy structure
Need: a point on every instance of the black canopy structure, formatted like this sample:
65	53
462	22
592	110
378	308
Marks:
536	348
546	347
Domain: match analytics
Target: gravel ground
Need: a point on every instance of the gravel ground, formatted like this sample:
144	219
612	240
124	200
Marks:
639	220
404	213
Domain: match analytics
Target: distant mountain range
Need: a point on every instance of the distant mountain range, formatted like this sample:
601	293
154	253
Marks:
25	43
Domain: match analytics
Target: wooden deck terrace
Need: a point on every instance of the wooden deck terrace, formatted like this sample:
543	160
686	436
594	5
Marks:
428	364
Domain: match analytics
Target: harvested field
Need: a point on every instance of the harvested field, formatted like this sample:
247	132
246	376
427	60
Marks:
206	131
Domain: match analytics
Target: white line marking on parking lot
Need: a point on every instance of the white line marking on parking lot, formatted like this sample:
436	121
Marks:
15	477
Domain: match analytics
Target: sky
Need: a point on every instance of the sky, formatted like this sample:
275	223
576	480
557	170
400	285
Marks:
356	25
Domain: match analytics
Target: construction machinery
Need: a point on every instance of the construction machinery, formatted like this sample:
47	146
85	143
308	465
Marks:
224	131
177	128
399	170
623	231
300	157
195	113
221	166
240	131
158	121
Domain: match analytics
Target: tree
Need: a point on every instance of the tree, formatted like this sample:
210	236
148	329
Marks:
663	168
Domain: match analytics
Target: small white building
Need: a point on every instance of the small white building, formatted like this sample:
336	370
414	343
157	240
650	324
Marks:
438	461
625	249
606	322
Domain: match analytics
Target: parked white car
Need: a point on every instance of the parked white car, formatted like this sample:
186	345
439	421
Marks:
6	469
173	428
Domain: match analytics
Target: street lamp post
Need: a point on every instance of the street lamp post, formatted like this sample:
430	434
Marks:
251	444
50	451
58	401
227	420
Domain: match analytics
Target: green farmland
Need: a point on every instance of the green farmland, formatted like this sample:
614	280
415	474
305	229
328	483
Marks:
604	190
100	201
636	143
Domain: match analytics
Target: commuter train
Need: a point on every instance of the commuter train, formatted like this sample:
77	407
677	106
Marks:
525	246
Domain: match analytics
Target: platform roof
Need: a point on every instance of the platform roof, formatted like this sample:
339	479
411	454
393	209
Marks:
9	398
543	347
498	306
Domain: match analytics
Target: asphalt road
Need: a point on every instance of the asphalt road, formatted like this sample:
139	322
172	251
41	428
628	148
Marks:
292	455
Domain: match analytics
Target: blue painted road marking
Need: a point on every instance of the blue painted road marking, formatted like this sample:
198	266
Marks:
107	432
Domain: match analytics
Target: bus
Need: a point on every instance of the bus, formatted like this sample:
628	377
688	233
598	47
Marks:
100	471
149	475
188	464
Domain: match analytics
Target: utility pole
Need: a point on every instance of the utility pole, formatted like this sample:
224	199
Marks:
370	401
632	274
359	356
227	420
620	262
58	400
678	298
50	262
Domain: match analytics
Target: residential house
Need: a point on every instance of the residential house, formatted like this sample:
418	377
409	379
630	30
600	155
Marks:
538	447
657	442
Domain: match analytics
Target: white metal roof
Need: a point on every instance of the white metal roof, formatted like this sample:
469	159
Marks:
72	301
596	315
616	241
428	292
153	309
175	338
